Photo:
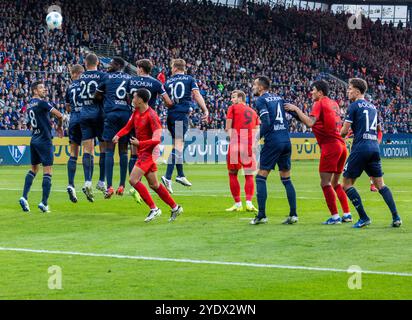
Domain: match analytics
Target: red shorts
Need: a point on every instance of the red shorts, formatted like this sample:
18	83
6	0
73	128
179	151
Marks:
146	162
237	160
333	157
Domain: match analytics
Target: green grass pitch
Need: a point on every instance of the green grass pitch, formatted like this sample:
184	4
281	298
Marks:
204	232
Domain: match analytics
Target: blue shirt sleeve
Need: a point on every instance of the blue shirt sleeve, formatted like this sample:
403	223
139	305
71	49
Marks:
46	106
194	85
350	114
264	117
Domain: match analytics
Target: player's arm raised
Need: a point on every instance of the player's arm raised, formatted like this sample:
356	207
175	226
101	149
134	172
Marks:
201	102
309	121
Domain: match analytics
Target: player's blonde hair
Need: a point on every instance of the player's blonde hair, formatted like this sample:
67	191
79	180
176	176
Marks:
239	94
76	69
179	64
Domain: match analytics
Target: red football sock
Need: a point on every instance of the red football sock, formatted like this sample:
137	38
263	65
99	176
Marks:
330	197
234	187
144	193
165	196
249	187
343	199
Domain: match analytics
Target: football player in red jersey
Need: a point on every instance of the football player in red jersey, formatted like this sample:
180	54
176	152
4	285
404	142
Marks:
148	132
326	122
241	121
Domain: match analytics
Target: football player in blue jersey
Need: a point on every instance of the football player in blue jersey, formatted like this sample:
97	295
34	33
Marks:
362	118
117	112
41	145
180	87
92	122
73	106
276	150
144	81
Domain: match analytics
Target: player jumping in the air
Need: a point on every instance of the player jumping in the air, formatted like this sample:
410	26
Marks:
144	80
73	106
180	88
41	145
91	122
362	117
241	123
326	123
117	112
276	150
148	132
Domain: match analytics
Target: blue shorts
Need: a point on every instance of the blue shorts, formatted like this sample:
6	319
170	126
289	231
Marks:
75	131
368	161
92	127
41	153
113	123
275	154
178	124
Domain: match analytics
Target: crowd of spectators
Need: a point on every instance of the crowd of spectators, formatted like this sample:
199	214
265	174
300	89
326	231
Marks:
225	48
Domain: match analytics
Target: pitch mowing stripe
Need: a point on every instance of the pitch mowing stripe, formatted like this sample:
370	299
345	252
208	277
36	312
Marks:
190	261
198	193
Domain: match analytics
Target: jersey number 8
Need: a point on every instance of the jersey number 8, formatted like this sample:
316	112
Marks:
33	121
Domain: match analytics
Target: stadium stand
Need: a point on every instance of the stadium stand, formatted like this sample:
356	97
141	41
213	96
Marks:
224	47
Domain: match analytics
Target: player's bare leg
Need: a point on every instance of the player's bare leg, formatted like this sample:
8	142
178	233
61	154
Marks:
390	202
101	184
71	171
235	190
27	185
135	181
285	177
330	197
343	199
261	194
88	164
164	195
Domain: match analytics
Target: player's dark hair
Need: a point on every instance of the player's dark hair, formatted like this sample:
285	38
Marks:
359	84
179	64
35	84
264	82
321	85
92	59
144	94
146	65
119	63
240	94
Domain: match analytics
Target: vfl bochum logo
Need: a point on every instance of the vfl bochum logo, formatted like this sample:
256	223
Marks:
17	152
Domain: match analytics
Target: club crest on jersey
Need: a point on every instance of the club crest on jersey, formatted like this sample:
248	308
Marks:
17	152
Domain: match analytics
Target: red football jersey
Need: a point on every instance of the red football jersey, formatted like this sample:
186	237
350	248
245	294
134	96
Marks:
244	121
148	129
328	124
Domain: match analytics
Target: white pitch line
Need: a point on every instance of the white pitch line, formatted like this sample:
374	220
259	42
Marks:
223	263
